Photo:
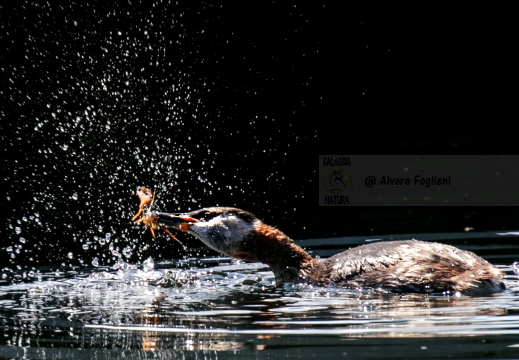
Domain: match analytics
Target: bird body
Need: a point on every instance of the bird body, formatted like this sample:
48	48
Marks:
409	266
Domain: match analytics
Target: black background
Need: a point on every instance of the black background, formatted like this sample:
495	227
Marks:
279	84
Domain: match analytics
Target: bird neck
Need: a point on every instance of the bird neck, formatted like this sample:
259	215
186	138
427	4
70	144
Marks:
288	261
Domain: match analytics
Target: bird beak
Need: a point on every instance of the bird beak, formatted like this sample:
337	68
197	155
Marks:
177	221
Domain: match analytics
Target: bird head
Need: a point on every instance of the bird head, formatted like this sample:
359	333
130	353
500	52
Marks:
223	229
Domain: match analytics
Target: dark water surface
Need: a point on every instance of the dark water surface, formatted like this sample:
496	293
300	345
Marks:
218	308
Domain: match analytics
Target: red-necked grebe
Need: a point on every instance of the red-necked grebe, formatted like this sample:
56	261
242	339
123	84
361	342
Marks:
409	266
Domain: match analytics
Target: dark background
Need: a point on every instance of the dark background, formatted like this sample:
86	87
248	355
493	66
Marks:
231	105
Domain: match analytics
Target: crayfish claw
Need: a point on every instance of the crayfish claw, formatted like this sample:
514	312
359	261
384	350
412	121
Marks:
146	197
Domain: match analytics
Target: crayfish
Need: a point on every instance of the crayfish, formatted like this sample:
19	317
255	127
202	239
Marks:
147	217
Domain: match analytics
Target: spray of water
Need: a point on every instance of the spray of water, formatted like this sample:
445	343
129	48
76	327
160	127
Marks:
99	99
100	102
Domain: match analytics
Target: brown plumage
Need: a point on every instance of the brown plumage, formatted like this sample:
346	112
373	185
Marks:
395	266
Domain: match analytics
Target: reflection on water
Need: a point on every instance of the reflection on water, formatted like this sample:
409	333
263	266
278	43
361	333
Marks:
218	307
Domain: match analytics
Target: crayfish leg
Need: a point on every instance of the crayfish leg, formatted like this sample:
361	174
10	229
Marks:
170	234
138	213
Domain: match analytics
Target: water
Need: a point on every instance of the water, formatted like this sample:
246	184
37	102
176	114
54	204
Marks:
97	99
215	307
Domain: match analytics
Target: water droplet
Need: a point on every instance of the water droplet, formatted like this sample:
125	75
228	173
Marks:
127	251
148	265
22	240
17	230
70	255
95	262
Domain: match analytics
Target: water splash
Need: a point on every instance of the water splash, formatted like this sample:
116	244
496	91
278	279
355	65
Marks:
109	113
515	268
102	98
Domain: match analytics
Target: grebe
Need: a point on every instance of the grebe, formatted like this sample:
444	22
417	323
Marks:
409	266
